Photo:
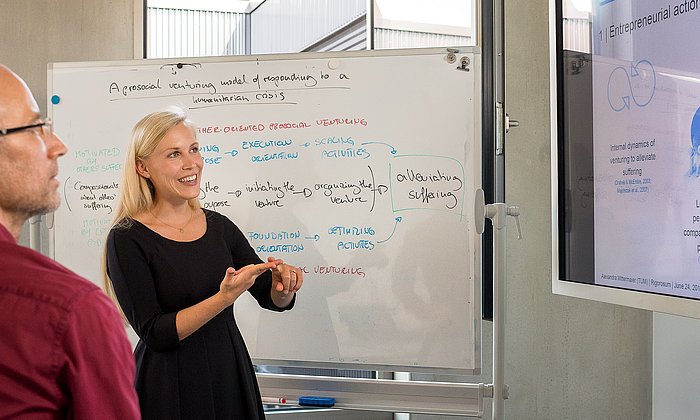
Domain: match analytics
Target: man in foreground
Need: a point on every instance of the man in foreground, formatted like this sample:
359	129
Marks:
64	352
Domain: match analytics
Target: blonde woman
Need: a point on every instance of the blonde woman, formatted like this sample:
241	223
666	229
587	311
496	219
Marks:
165	259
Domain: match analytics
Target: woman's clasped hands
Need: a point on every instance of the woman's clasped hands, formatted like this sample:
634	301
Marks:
286	280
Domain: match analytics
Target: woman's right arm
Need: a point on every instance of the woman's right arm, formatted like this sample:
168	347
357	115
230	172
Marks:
135	289
233	285
134	286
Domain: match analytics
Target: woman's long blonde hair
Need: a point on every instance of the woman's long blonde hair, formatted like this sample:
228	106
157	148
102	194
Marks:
136	193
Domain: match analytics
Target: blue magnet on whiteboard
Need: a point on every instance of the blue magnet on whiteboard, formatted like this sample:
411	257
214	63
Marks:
55	99
317	401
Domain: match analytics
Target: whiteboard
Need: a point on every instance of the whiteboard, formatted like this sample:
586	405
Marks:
358	167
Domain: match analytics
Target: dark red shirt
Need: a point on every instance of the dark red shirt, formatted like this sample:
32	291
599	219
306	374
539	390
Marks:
63	349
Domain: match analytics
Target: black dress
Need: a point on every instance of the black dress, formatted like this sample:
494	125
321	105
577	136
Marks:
208	375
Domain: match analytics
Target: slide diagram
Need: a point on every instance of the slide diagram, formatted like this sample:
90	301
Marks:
633	86
695	145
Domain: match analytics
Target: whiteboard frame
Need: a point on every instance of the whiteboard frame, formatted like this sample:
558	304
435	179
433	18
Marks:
269	57
641	300
475	66
446	398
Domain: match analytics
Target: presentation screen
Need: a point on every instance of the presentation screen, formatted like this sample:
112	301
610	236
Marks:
626	152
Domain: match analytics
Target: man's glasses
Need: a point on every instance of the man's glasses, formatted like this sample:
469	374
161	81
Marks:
42	129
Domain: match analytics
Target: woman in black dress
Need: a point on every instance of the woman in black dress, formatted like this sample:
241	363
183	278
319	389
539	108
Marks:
165	260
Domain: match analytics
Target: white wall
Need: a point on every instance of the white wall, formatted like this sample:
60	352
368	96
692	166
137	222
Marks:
676	367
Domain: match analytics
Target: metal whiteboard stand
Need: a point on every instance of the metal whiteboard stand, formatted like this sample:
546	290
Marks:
498	213
445	398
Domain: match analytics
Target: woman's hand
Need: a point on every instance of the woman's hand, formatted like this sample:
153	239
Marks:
236	282
286	279
233	285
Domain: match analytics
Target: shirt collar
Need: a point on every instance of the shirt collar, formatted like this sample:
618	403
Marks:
5	235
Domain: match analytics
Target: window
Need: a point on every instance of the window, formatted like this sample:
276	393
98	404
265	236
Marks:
181	28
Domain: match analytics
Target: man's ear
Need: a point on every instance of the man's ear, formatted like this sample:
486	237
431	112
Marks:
142	169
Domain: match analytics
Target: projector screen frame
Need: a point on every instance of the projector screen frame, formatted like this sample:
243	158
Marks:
682	306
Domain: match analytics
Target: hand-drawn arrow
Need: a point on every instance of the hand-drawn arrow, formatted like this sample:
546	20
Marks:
398	220
393	150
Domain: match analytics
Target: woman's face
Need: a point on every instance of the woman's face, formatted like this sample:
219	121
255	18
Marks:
175	166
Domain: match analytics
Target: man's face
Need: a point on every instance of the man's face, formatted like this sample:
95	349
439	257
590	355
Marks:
28	158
